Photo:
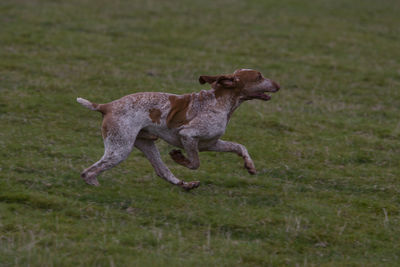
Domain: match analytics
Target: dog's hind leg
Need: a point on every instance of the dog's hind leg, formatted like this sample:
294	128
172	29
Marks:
117	148
151	152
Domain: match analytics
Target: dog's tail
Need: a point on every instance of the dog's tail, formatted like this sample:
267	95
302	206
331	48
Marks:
89	105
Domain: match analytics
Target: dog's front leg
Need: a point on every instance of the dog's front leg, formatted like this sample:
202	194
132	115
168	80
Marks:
226	146
190	145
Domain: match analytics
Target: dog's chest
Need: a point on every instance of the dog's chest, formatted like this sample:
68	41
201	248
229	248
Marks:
207	125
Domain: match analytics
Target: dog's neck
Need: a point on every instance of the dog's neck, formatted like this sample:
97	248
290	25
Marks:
228	100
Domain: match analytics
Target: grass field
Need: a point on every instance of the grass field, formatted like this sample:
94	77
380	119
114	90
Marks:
327	146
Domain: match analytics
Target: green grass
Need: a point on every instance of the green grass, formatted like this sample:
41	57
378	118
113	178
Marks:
326	146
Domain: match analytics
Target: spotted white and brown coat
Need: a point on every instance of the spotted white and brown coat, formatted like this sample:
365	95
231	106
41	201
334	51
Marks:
194	122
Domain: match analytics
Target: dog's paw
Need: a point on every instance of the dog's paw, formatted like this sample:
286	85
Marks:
189	185
250	167
252	171
178	157
90	180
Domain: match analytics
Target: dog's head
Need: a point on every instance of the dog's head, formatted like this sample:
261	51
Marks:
249	84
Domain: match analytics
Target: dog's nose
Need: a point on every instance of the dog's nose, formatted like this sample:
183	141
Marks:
276	85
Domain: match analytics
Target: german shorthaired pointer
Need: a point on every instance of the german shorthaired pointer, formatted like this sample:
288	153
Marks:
194	122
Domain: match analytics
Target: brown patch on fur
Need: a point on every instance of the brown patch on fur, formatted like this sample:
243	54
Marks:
226	81
208	79
103	108
223	85
179	106
179	158
107	125
155	115
248	77
242	79
108	121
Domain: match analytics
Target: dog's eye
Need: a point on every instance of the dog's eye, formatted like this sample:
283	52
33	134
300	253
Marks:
259	76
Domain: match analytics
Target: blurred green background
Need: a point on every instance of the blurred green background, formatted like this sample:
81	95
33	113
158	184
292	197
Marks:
326	146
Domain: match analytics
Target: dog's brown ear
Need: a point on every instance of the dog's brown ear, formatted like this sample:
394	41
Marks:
226	81
207	79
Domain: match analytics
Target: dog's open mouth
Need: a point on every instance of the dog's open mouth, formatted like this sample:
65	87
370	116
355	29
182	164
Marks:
261	96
